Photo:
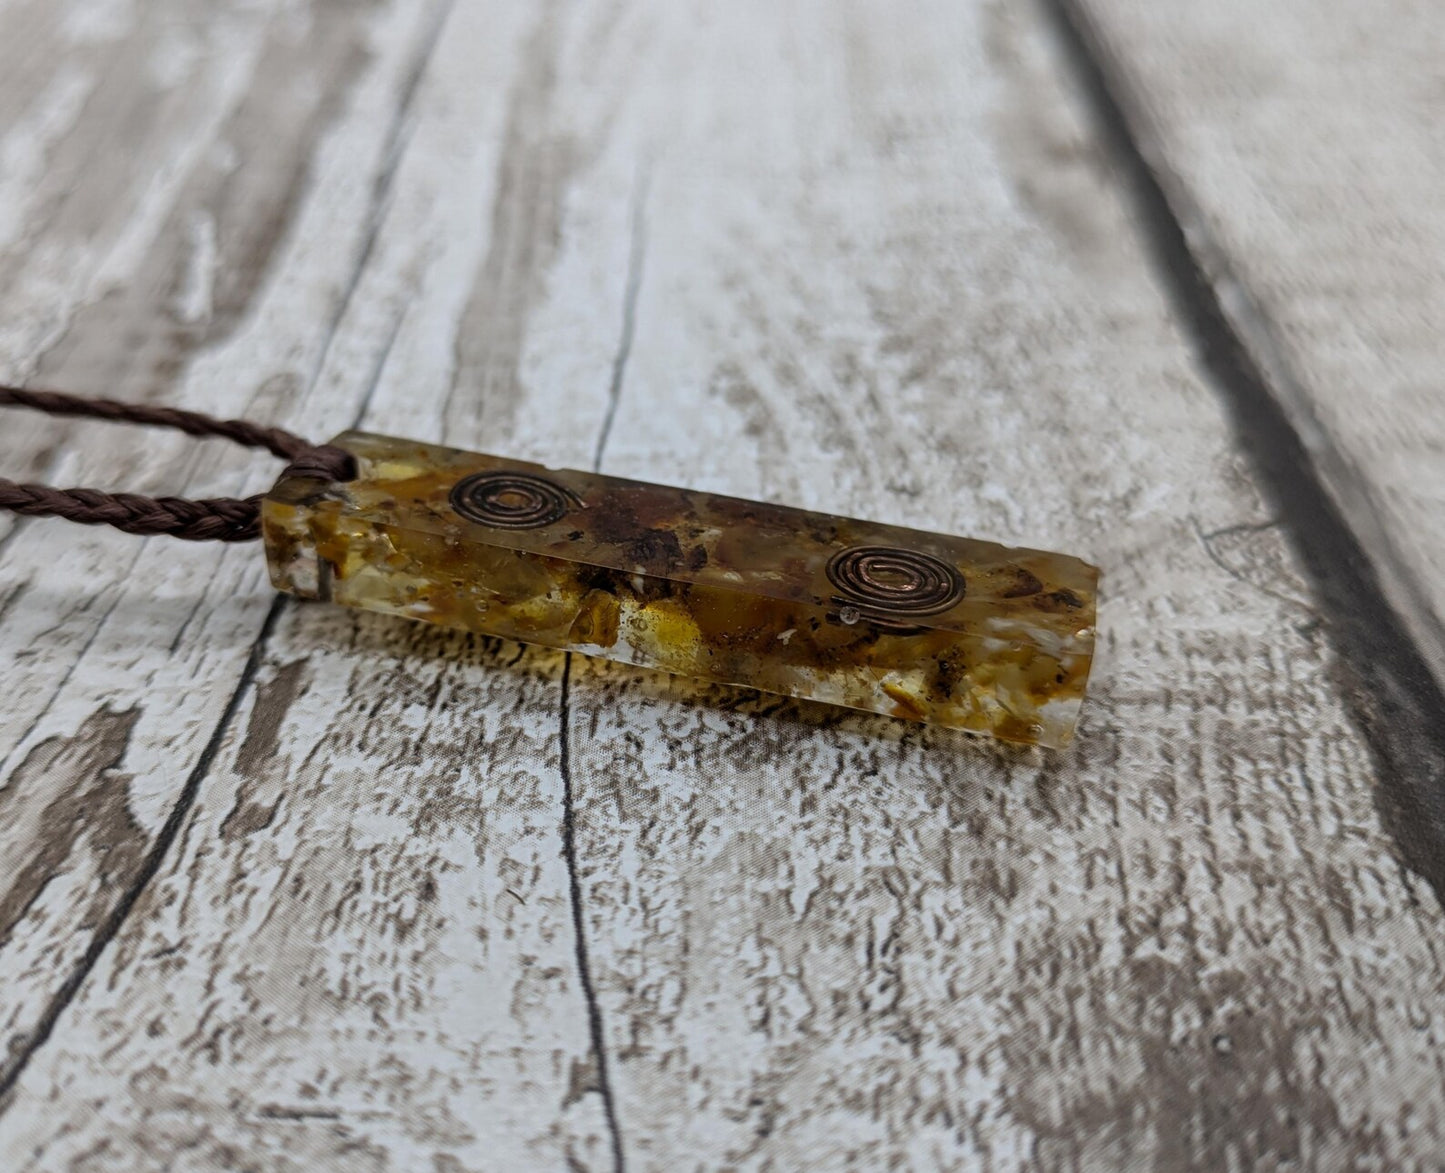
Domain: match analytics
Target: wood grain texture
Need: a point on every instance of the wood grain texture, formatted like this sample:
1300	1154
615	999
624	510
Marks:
104	259
1299	144
445	903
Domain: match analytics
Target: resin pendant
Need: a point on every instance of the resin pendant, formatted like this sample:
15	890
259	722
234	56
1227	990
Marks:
958	632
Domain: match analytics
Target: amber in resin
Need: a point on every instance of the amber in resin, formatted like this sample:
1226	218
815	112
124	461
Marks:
916	625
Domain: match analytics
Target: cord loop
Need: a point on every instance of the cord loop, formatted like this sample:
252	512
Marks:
214	519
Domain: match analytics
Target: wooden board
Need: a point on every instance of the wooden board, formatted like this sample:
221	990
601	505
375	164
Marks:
298	888
1298	143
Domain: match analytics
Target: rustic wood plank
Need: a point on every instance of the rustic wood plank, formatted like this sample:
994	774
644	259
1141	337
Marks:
110	735
1298	145
877	951
111	638
108	255
860	258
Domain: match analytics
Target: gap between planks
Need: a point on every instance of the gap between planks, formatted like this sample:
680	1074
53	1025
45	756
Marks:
636	257
1385	676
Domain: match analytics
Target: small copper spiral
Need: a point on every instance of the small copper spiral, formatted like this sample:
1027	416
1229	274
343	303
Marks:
511	500
895	581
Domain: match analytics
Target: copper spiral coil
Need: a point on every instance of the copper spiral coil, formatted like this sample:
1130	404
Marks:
511	500
890	580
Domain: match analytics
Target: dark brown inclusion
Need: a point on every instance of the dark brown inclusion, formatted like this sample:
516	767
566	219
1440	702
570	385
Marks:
918	625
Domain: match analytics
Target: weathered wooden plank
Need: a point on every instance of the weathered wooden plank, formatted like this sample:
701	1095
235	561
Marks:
107	637
857	258
877	951
1299	145
323	193
125	654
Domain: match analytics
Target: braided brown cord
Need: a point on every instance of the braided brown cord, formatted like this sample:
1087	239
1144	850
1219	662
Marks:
218	519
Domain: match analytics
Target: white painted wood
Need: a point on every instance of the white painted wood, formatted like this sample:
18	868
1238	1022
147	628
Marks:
127	641
854	257
1301	145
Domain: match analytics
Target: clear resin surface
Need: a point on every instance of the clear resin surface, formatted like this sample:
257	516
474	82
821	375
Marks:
916	625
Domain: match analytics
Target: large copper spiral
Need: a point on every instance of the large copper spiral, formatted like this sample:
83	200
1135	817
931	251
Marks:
889	580
511	500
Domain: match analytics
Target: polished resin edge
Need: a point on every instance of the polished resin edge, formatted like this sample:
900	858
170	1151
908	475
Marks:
919	626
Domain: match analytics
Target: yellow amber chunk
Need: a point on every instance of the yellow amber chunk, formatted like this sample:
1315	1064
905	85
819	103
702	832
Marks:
953	631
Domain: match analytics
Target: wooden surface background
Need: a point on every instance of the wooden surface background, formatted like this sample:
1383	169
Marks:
284	887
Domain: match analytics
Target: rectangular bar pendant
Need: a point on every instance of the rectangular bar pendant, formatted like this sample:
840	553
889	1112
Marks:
917	625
